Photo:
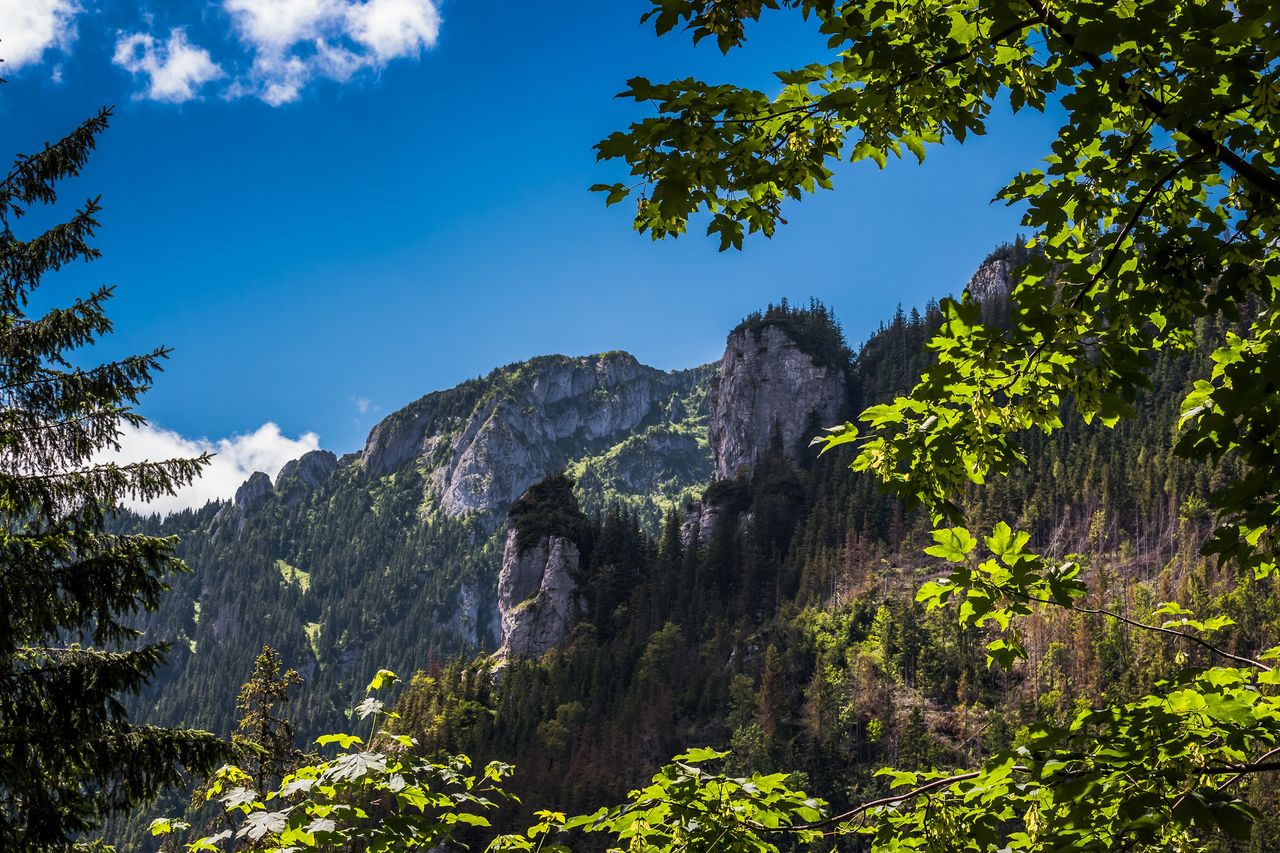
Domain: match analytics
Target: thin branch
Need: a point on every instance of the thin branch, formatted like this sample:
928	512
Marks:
1259	765
846	816
1102	611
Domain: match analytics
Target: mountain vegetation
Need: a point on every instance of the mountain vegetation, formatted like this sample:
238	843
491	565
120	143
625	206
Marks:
790	637
1047	621
1154	216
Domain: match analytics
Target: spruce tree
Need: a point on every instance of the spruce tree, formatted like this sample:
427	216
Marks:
265	732
70	590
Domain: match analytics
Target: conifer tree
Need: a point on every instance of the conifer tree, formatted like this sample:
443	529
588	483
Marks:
264	728
69	589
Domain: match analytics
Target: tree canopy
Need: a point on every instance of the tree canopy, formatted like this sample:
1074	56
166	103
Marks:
1155	210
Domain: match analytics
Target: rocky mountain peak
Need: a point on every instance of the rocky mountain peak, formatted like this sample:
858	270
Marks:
772	387
310	469
253	493
538	599
483	443
993	279
305	474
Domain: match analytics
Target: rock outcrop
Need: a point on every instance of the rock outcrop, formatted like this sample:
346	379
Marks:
254	493
769	386
993	280
699	522
475	617
538	596
487	441
305	474
310	469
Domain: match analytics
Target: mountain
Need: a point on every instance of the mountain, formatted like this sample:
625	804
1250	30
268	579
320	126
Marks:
776	617
390	557
592	565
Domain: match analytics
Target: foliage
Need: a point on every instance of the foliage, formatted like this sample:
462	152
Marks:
547	508
265	732
70	590
1156	213
372	795
687	807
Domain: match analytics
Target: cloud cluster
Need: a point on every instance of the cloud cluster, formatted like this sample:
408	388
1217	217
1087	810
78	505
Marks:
28	28
287	44
175	70
268	49
265	449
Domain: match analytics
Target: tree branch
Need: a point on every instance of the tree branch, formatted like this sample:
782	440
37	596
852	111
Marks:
1102	611
1261	179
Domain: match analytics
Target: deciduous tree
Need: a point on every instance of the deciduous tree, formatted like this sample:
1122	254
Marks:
1156	209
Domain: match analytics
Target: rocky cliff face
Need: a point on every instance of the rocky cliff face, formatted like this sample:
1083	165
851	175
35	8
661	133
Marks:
537	595
699	522
253	493
304	475
992	280
768	384
523	422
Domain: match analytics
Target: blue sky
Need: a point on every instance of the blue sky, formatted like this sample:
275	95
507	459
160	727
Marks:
323	234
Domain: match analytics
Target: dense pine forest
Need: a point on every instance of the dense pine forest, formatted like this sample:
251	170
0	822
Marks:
792	637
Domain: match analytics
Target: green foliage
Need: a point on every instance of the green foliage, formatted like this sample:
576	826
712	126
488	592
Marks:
1156	213
689	807
547	508
375	795
266	735
70	591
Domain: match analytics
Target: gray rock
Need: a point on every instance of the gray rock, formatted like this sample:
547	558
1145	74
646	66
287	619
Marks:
522	435
699	523
767	384
537	596
311	469
524	422
475	618
992	281
254	493
304	474
395	440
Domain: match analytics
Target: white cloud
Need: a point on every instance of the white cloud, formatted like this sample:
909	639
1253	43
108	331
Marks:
176	69
30	27
363	404
393	28
294	42
274	48
265	449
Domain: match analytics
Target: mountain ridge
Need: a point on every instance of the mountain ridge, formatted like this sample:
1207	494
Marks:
401	543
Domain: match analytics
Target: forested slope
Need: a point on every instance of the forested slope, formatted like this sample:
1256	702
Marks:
771	611
791	636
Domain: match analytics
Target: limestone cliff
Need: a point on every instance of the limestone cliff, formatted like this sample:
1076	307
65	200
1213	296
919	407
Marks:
538	596
992	280
484	443
768	387
304	475
253	493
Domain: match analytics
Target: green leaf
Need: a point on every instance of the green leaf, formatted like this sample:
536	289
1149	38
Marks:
384	676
